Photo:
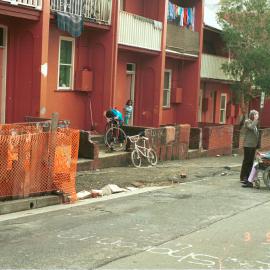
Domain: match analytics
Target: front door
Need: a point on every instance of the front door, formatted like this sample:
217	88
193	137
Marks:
131	76
3	64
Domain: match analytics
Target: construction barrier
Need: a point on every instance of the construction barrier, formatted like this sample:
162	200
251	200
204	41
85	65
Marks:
35	161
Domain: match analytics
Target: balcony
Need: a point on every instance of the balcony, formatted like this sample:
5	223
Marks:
97	11
211	67
37	4
182	40
139	32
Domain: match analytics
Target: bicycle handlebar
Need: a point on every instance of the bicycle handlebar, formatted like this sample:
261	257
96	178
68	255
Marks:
136	138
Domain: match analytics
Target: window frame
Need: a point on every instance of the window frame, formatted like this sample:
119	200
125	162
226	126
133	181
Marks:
223	121
71	87
169	90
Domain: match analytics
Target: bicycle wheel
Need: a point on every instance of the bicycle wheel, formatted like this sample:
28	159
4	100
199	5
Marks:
136	158
152	157
266	177
115	139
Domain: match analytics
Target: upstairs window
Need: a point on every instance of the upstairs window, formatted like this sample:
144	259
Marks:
167	89
223	102
66	63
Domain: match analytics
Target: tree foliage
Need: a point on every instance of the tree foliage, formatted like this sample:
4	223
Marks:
246	31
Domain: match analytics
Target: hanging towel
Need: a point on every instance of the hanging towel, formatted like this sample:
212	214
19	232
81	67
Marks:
73	24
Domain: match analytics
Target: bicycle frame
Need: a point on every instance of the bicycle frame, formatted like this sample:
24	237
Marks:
143	150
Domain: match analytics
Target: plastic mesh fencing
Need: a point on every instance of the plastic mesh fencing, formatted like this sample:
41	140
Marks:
34	161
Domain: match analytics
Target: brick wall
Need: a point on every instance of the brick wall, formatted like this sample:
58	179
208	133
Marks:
218	139
236	136
265	139
170	143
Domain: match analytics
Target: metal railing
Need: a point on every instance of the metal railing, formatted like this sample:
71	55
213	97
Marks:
98	11
29	3
138	31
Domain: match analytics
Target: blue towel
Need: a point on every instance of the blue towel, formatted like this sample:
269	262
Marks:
73	24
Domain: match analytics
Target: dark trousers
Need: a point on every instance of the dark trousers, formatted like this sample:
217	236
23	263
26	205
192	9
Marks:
249	155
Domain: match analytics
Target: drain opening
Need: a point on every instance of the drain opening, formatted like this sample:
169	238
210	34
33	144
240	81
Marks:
31	205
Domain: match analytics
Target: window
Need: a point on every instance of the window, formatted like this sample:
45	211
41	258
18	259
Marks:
66	63
167	89
223	102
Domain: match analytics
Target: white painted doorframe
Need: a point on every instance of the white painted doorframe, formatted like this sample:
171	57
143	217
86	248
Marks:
4	75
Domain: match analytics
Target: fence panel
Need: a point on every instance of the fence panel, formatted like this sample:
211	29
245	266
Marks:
33	161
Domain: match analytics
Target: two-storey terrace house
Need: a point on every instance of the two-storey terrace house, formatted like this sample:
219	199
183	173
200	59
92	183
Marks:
81	57
216	100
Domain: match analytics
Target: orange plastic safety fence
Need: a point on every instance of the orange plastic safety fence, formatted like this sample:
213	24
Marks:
33	161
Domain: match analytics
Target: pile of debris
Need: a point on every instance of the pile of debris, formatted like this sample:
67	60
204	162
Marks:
105	191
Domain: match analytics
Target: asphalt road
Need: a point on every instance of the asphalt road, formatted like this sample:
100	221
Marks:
211	223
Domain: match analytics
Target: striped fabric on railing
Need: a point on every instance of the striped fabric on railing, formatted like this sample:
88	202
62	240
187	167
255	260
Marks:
98	11
30	3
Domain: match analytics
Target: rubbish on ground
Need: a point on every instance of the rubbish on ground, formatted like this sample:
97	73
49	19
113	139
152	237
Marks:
96	193
183	175
137	184
106	190
111	189
217	155
83	195
227	168
116	189
235	155
223	174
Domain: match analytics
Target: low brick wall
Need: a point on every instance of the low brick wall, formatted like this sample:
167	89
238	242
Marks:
170	143
87	149
195	138
236	136
218	139
265	139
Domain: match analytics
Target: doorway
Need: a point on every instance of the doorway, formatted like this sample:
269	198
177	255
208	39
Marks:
131	77
3	72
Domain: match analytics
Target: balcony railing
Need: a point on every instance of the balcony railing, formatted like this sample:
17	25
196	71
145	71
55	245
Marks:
137	31
182	40
98	11
211	67
29	3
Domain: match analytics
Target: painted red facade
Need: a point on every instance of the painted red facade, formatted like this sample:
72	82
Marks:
32	47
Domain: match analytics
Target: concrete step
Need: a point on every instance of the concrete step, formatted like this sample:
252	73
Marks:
98	139
105	160
7	207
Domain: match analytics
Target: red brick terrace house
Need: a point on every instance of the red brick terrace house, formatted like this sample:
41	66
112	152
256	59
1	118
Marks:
216	101
158	62
128	49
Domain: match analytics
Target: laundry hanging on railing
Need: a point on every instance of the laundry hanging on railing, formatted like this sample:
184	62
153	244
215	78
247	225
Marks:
73	24
184	17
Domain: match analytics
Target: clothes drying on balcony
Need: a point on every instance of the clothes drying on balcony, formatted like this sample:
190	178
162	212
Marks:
184	17
73	24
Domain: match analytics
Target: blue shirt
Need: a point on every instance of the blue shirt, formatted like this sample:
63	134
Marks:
118	115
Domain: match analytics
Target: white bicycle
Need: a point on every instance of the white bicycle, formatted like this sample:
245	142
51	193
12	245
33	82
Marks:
142	149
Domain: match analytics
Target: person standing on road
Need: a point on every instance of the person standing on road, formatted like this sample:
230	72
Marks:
251	139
